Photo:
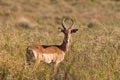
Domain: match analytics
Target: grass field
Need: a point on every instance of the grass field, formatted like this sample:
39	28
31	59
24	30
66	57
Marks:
94	52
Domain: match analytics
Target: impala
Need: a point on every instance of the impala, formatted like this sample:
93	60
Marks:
50	53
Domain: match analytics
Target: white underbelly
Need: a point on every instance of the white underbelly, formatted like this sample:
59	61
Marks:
48	58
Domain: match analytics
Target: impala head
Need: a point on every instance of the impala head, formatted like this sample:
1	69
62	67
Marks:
67	31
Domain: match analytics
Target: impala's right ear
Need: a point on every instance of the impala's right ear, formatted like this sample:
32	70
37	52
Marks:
60	30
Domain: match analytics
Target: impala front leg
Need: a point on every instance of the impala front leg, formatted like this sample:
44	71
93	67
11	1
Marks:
55	67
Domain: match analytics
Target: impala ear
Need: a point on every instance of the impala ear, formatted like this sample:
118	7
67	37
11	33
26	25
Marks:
60	30
74	30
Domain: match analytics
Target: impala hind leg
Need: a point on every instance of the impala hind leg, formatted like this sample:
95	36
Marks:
26	64
37	62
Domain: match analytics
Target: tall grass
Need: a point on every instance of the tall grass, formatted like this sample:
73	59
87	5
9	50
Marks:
94	52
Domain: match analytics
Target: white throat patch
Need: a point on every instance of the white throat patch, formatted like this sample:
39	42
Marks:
68	40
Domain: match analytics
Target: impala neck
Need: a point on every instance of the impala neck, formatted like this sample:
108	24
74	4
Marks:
65	44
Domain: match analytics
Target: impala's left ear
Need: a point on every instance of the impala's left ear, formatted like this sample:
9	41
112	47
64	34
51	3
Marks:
74	30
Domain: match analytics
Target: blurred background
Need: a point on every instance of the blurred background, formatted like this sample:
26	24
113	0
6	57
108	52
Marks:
94	52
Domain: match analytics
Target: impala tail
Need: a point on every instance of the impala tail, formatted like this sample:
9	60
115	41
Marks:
29	56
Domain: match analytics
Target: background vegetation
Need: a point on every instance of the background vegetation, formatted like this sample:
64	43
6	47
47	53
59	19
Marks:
94	52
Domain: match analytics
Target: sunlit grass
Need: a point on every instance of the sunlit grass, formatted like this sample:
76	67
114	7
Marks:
94	52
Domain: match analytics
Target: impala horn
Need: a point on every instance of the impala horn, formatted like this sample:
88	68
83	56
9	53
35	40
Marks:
72	24
63	25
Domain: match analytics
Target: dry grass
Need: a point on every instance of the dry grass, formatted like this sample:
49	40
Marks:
94	52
